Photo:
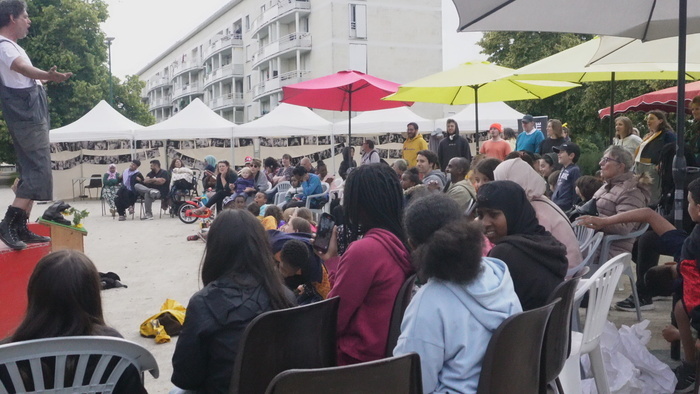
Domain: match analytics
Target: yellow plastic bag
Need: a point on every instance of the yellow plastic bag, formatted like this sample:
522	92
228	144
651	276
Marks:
165	323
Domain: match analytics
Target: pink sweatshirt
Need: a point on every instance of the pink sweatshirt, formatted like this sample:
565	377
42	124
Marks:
369	277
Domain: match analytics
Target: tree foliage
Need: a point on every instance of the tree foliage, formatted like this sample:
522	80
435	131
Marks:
577	107
67	34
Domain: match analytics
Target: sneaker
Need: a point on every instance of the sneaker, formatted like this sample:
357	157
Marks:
155	194
627	304
685	373
149	216
131	210
122	218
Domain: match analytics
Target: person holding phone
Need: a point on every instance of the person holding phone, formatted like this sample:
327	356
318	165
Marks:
370	273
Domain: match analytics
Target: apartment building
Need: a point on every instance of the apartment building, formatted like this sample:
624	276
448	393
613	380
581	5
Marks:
238	60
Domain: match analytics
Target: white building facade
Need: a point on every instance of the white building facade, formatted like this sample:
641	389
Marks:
238	60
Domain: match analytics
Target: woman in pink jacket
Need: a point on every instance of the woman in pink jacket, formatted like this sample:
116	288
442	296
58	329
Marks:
370	273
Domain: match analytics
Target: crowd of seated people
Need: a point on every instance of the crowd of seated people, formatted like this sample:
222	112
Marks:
483	238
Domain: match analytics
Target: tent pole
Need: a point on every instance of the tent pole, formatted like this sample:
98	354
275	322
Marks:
612	107
233	154
476	116
679	163
335	169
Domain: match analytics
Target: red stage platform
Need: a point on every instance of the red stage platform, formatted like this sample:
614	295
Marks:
15	269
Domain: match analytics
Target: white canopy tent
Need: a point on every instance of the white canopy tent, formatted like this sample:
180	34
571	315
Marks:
194	121
101	123
285	120
392	120
496	112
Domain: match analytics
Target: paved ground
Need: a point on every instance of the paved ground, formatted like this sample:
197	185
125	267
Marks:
157	262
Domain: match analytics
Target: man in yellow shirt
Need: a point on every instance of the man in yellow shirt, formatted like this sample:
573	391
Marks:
413	144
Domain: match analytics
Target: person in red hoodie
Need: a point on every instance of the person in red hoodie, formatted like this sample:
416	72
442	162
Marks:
374	266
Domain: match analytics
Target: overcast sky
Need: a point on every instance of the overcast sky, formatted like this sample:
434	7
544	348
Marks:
145	29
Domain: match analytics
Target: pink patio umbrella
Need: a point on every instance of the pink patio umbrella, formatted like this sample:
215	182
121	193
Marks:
343	91
665	100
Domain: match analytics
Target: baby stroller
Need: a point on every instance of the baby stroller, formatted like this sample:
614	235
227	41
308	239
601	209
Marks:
181	191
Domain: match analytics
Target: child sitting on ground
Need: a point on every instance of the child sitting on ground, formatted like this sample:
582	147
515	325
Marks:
272	217
296	265
261	201
235	202
298	225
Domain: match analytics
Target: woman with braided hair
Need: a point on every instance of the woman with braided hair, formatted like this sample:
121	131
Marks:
370	273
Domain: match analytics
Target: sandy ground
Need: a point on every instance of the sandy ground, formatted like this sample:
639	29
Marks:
156	261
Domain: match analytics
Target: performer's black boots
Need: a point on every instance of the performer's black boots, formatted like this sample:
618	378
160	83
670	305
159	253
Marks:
9	226
27	235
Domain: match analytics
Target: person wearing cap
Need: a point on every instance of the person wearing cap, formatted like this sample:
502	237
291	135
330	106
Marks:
555	137
452	146
248	160
496	147
565	192
531	138
413	144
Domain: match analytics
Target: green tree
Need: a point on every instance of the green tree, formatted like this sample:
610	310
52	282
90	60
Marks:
67	34
577	107
127	100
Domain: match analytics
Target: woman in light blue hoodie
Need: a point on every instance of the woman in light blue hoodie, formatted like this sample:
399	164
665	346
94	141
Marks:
449	322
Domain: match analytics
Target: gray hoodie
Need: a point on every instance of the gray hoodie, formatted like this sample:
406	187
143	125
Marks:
438	176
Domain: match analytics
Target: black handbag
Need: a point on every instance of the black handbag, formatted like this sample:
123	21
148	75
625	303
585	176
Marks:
589	208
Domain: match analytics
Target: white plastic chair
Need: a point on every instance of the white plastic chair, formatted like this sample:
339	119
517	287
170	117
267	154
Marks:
326	207
605	249
103	348
601	288
281	188
588	252
584	235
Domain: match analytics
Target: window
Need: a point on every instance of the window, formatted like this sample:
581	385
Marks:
247	22
247	83
358	21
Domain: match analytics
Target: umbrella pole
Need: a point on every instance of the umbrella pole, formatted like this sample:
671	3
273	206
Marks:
349	160
679	163
612	108
476	116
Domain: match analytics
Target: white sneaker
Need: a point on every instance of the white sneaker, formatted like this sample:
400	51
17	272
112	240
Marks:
155	194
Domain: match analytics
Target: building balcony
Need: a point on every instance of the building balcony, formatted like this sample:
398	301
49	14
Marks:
180	68
286	43
160	102
274	84
187	90
282	9
157	82
227	71
226	101
224	42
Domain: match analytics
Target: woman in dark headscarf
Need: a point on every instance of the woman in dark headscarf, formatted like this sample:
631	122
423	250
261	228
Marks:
536	260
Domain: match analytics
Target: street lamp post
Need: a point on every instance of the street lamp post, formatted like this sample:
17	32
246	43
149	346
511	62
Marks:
108	41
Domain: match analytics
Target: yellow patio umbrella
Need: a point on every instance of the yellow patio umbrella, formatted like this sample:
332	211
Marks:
474	83
572	65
